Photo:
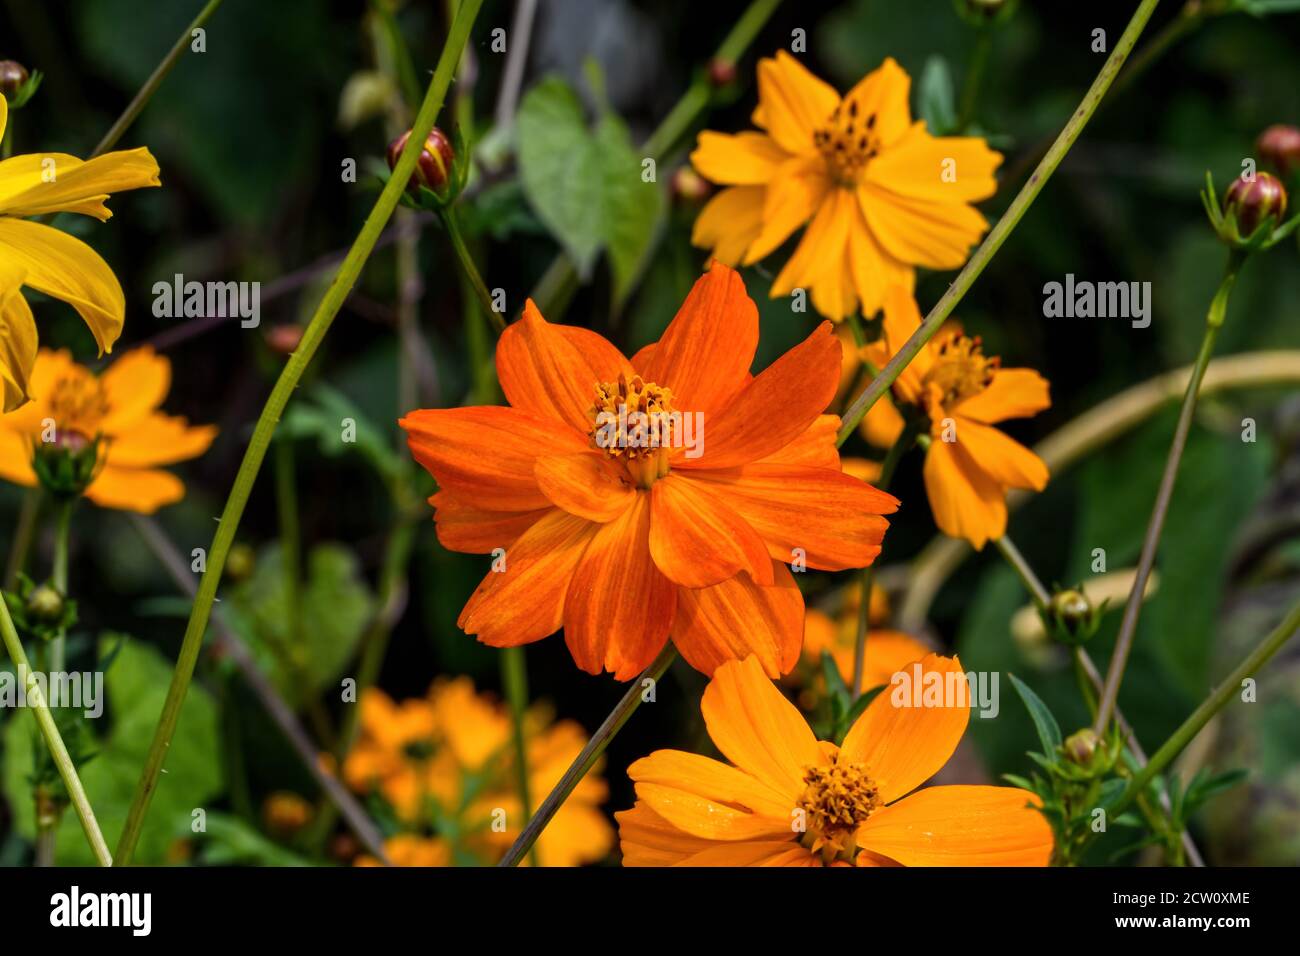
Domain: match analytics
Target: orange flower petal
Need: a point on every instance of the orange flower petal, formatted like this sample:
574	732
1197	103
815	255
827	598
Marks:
776	408
758	730
715	780
584	484
697	540
1013	393
647	839
486	455
754	853
159	440
966	502
743	159
551	371
134	489
705	353
525	602
728	223
937	235
462	527
736	618
815	448
792	102
791	199
833	518
1001	457
961	826
904	737
134	385
16	458
883	93
619	606
916	166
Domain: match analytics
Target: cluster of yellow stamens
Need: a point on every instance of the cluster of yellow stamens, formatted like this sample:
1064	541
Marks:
836	800
633	421
848	142
78	404
960	368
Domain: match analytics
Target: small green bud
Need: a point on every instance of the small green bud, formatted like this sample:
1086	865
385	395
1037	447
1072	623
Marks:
1070	617
67	465
44	605
1081	746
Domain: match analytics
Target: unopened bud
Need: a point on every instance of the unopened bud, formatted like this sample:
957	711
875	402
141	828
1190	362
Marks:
12	77
1279	146
1080	746
44	605
1252	201
240	563
1071	617
286	813
433	168
67	465
689	186
722	72
283	339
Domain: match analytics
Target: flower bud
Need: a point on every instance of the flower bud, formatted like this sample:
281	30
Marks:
286	813
1249	202
67	465
433	168
721	72
688	186
979	12
1080	746
1070	617
283	339
12	77
44	605
1279	146
240	562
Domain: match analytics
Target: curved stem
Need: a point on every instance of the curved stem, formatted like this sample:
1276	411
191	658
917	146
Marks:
590	754
974	74
50	731
22	541
314	334
1156	524
998	235
155	80
452	222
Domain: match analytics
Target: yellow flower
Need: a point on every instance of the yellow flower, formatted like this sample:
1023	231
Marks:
453	752
120	408
879	194
788	799
43	258
963	393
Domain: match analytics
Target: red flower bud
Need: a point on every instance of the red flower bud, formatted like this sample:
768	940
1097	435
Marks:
283	339
1251	201
688	186
721	72
1280	147
12	76
433	169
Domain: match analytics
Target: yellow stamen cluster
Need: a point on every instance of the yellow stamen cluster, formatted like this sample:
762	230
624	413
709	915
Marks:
848	142
78	404
836	800
960	369
633	422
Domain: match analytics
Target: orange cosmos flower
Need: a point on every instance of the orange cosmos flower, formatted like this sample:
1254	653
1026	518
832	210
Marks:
69	403
878	193
627	545
887	650
788	799
969	464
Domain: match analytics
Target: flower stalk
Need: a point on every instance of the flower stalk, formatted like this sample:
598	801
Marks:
255	454
999	233
514	677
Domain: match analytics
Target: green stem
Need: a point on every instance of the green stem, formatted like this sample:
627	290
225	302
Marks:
22	542
998	235
1218	698
590	754
1023	571
514	676
59	575
560	280
974	74
155	80
255	454
452	222
1128	625
50	731
867	576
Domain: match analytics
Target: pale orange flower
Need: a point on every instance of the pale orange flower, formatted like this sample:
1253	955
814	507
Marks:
879	194
788	799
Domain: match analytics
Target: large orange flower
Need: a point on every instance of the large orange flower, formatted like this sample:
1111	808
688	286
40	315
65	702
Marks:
969	464
788	799
120	409
879	194
627	546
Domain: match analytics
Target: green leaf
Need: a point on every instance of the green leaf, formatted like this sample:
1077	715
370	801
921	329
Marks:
634	208
1049	733
1263	8
937	103
322	418
232	842
135	686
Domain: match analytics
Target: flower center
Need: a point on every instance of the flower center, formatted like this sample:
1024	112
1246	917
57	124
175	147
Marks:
836	801
77	403
848	141
634	422
960	368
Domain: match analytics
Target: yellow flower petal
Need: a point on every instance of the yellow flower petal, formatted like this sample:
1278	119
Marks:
39	183
743	159
792	102
17	339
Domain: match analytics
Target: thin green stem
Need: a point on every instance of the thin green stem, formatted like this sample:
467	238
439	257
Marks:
255	454
1128	624
1217	700
22	542
59	574
151	85
591	753
998	235
556	287
867	576
1028	578
452	222
50	731
974	75
514	677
